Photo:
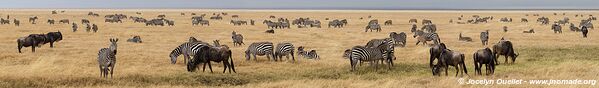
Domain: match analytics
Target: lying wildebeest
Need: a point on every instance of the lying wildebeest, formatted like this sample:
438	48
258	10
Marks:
215	54
462	38
64	21
270	31
504	47
135	39
453	58
529	31
484	57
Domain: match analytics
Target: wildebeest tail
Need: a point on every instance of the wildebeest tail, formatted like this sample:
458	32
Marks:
464	64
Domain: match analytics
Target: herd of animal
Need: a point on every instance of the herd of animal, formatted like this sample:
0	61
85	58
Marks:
375	51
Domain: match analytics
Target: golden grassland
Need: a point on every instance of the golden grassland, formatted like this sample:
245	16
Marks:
73	61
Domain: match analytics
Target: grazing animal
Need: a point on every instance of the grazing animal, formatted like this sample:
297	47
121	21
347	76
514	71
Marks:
484	57
64	21
584	30
422	36
135	39
270	31
50	21
376	27
462	38
368	54
388	22
17	22
312	55
214	54
74	27
32	19
573	27
378	42
107	58
453	58
435	51
95	27
33	40
237	39
556	28
504	47
52	37
186	49
260	49
484	37
529	31
431	28
284	49
399	39
84	21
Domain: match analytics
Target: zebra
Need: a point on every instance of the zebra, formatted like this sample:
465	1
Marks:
74	27
261	49
422	36
413	21
484	37
432	28
237	39
376	42
370	54
398	38
186	49
107	58
284	49
376	27
556	28
312	55
88	27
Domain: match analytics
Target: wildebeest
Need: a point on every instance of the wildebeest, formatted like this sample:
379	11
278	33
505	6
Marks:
36	40
64	21
270	31
462	38
214	54
484	57
32	19
524	20
95	27
504	47
435	51
155	22
4	21
135	39
17	22
453	58
584	30
529	31
398	38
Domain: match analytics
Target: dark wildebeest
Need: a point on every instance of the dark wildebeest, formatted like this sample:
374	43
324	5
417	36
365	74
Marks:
215	54
52	37
33	40
584	30
504	47
32	19
484	57
17	22
65	21
462	38
435	51
529	31
270	31
453	58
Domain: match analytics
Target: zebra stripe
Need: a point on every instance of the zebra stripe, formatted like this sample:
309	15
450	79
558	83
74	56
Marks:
187	49
284	49
260	49
428	36
107	58
311	55
361	53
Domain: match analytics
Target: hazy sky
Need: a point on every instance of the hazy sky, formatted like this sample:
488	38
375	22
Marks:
307	4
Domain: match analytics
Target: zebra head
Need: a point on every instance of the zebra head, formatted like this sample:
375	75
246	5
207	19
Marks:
174	54
113	45
247	54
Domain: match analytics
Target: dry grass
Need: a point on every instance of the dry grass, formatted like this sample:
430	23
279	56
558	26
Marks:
72	63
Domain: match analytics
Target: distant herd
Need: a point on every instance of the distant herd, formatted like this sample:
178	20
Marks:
382	50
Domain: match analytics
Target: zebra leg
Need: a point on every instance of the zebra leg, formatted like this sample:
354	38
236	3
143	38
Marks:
101	71
111	70
256	59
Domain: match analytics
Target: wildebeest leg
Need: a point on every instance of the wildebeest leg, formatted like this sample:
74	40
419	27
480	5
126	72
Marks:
51	44
204	68
225	65
209	66
446	67
33	47
505	59
19	47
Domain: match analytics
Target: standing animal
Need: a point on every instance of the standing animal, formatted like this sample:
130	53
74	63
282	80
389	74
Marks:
435	51
422	36
186	49
260	49
484	37
32	19
504	47
398	38
462	38
584	30
368	54
453	58
107	58
388	22
284	49
484	57
95	27
84	21
65	21
33	40
413	21
376	27
17	22
74	27
214	54
237	39
50	21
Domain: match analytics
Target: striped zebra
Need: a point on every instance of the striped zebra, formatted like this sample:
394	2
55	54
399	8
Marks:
237	39
556	28
260	49
367	54
186	49
422	36
107	58
484	37
376	27
376	42
312	55
284	49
